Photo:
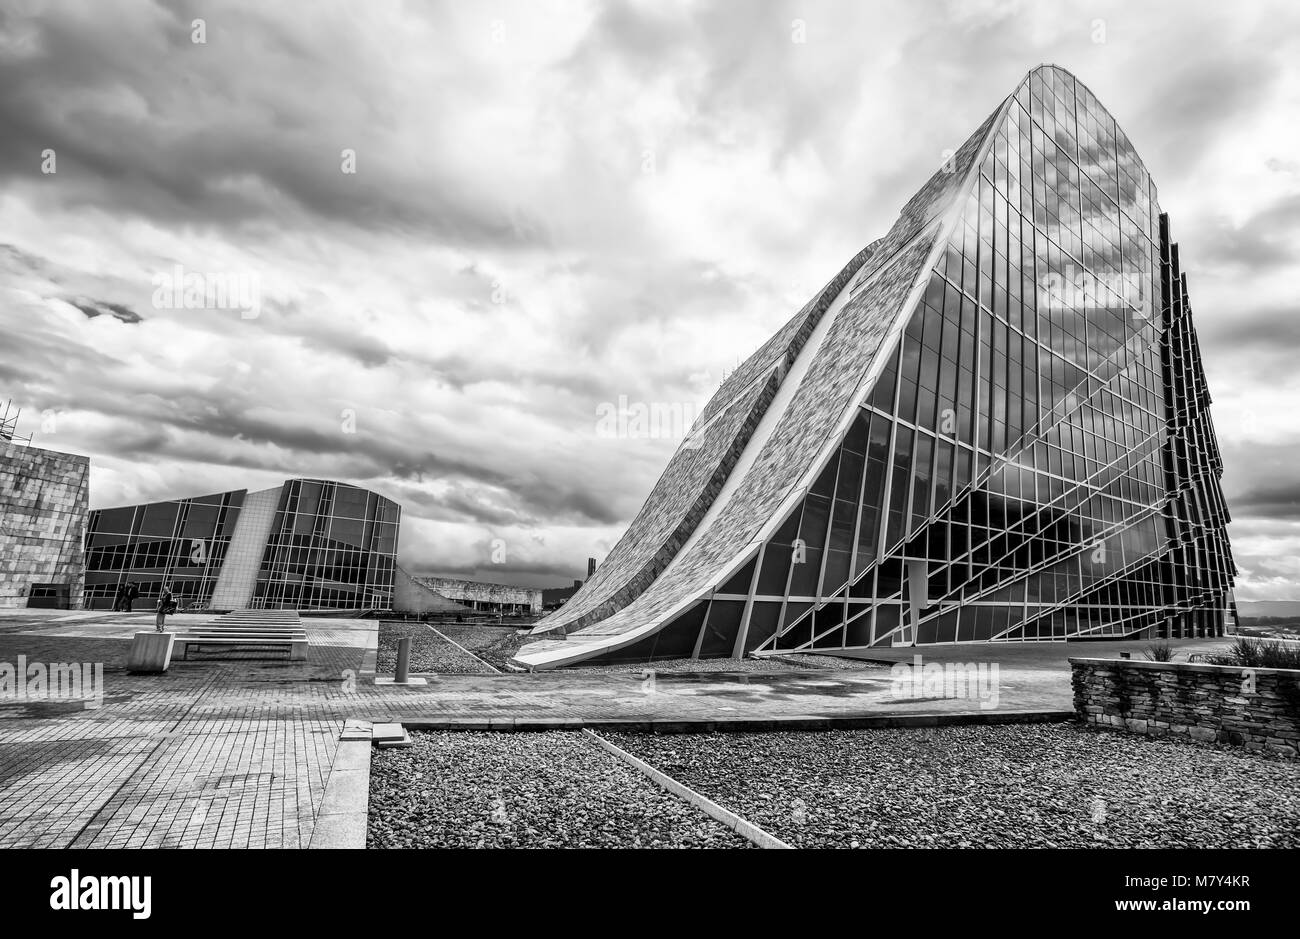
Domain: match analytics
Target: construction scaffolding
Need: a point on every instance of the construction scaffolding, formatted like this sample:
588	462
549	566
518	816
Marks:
9	424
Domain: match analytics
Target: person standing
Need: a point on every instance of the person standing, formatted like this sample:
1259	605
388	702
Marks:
119	599
132	591
165	605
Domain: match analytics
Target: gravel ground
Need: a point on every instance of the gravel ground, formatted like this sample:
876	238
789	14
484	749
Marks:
1032	785
812	660
429	652
783	663
525	790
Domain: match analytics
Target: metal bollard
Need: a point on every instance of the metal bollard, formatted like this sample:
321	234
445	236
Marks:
403	660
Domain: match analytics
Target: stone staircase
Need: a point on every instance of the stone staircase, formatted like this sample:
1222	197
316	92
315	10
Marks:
247	631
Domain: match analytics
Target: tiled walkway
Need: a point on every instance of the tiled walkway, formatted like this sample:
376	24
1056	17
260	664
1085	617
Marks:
237	753
229	753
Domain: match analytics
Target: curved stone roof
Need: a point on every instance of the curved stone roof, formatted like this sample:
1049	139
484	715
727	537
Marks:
699	525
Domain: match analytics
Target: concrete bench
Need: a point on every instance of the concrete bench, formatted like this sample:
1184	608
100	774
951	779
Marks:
295	646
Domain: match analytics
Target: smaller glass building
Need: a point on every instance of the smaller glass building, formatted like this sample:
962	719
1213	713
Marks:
308	544
181	541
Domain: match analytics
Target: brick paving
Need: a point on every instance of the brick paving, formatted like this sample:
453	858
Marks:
237	753
214	753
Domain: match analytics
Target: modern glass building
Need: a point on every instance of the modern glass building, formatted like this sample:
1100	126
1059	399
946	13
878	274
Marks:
991	425
308	544
183	541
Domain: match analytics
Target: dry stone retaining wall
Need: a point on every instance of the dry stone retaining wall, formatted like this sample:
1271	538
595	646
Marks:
1256	708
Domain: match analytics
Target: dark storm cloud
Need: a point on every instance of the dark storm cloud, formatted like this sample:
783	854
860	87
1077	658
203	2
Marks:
1197	97
1260	481
1264	567
93	308
1278	500
131	128
366	350
171	422
1264	242
1269	500
525	500
524	574
496	496
1266	336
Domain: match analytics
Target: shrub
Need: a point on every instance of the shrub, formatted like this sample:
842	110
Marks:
1160	652
1260	653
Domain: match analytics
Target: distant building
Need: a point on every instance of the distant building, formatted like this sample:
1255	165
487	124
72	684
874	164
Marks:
555	597
43	499
308	544
453	595
485	597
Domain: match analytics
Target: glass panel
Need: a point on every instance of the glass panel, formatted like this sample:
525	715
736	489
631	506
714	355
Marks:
721	628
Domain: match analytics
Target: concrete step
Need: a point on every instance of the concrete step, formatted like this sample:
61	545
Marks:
285	634
266	615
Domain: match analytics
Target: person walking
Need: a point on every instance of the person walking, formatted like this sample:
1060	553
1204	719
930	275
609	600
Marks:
166	604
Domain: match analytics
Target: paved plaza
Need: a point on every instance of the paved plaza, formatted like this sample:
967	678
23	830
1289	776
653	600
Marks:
238	752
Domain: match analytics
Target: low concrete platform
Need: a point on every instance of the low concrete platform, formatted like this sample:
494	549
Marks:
746	725
1033	654
151	652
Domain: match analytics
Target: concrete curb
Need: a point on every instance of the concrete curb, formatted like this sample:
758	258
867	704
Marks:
344	810
370	657
740	725
747	830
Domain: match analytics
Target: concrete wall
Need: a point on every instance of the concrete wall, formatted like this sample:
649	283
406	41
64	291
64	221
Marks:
411	596
1257	708
480	595
43	508
238	577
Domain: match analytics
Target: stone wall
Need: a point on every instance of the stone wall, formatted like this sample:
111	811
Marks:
1257	708
43	504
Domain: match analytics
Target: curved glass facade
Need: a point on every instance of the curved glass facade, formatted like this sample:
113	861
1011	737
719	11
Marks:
1030	455
309	544
182	541
332	546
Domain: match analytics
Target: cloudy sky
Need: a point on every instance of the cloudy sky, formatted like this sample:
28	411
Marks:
468	232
